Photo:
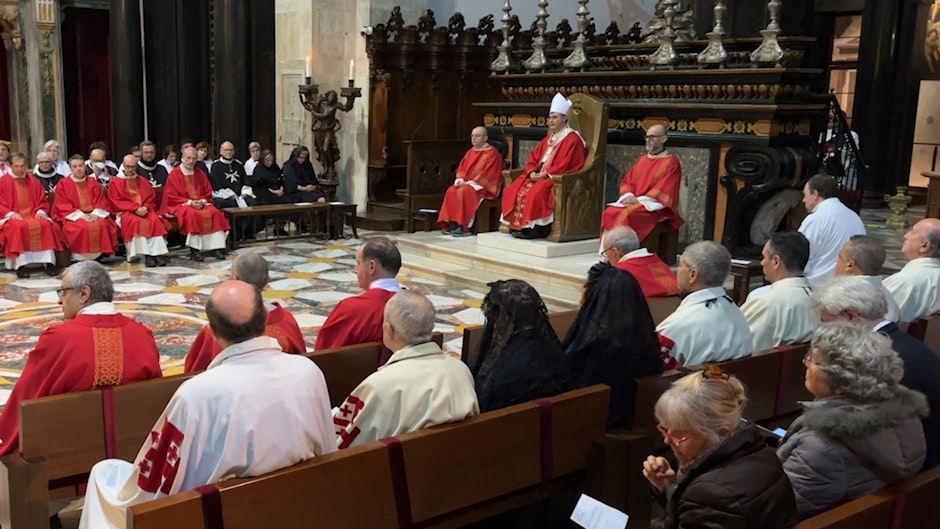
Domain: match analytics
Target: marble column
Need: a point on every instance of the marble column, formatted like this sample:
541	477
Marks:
16	77
127	74
232	106
45	110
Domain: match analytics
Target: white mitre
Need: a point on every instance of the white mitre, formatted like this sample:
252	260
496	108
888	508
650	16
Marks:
560	105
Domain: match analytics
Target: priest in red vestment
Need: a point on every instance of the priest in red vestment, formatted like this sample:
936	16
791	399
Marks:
134	202
28	234
529	202
622	249
649	192
83	212
478	178
252	269
96	347
359	319
188	195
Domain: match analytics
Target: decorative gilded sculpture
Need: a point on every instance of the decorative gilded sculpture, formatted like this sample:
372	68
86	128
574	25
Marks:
578	58
665	55
715	52
538	61
503	61
898	205
683	23
769	51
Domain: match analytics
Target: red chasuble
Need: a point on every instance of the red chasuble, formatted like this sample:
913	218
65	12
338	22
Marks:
356	320
81	236
87	352
655	277
181	188
657	178
127	196
526	201
484	167
281	326
25	196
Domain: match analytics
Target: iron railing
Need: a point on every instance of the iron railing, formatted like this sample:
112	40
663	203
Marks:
840	157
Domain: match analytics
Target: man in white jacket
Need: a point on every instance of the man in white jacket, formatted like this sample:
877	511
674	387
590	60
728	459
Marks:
916	287
420	386
827	227
253	411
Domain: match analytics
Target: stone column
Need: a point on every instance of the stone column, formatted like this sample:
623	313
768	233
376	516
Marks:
16	77
232	74
45	102
127	74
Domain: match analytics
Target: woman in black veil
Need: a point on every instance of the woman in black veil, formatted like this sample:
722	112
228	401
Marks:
300	180
520	357
613	339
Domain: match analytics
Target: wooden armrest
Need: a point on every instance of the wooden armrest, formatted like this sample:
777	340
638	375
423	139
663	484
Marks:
511	174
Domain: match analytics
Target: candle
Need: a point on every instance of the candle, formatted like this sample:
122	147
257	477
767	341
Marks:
307	72
352	69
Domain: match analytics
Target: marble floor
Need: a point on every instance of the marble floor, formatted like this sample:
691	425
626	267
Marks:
309	276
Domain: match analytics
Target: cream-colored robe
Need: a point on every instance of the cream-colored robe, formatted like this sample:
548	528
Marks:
916	288
706	327
783	315
420	386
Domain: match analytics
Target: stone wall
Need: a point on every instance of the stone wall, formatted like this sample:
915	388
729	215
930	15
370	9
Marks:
328	31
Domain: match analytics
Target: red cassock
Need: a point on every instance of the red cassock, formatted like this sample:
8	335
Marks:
89	351
181	188
657	178
127	196
484	167
526	200
81	236
281	326
356	320
26	196
655	277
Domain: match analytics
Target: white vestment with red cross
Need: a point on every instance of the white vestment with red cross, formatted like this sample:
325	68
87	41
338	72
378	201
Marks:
253	411
420	386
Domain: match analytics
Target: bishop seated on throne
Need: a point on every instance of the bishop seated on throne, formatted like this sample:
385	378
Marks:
528	203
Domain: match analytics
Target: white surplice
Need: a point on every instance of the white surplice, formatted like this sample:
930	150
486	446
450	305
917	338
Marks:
828	228
783	315
253	411
420	386
916	288
706	327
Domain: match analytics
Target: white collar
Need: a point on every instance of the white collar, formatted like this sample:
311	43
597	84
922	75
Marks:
186	171
706	294
101	308
882	325
386	283
260	343
639	252
662	154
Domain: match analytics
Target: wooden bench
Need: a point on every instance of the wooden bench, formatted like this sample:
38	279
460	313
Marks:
63	436
311	209
447	476
927	330
473	334
875	511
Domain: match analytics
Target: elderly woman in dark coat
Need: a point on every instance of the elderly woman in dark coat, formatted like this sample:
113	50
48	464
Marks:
520	358
613	340
727	476
862	431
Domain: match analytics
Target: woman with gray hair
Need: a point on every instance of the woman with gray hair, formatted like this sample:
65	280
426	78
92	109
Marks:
862	431
727	476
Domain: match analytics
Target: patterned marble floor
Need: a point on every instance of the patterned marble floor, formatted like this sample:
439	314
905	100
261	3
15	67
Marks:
308	277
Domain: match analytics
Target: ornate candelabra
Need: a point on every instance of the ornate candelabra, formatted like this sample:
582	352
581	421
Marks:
504	62
537	62
326	125
769	51
715	52
898	205
578	57
666	55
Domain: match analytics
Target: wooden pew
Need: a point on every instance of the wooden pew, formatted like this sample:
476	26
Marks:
660	308
63	436
927	330
446	476
918	495
875	511
473	334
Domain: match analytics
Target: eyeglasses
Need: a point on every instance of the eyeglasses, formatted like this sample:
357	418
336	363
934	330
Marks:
61	291
673	439
808	359
654	136
604	253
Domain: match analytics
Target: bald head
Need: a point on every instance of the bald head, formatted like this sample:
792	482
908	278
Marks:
97	155
923	240
236	312
252	269
227	149
657	130
478	137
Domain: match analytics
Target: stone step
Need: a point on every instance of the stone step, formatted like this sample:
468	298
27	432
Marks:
536	247
556	297
379	221
415	265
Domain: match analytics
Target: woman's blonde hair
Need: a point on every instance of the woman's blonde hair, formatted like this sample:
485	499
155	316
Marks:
708	402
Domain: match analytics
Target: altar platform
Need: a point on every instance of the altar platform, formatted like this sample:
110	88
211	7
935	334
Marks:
556	270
